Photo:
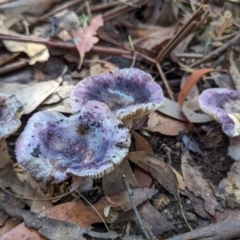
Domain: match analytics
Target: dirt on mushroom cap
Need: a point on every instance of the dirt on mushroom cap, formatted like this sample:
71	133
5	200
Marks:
89	143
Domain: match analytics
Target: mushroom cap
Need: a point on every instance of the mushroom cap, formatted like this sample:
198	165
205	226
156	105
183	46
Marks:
224	106
10	112
129	93
89	143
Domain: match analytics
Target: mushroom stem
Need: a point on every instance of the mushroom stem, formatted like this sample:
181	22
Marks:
234	148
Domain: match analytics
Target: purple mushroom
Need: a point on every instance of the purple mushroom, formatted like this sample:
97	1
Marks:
89	143
10	113
129	93
224	106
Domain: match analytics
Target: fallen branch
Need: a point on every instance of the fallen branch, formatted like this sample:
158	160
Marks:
227	230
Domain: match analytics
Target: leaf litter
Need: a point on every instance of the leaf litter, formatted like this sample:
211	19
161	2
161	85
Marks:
186	46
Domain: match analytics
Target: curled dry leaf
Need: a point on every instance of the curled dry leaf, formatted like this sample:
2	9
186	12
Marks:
192	80
193	92
197	184
158	169
84	39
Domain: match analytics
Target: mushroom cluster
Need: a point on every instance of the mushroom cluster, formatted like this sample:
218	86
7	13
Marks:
94	139
224	106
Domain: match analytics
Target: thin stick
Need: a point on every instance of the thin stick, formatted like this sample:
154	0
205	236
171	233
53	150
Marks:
183	214
130	194
59	44
169	90
188	28
228	229
217	51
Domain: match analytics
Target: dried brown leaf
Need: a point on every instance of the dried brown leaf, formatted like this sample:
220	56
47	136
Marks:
154	37
197	184
141	144
192	80
165	125
23	184
158	170
143	178
181	183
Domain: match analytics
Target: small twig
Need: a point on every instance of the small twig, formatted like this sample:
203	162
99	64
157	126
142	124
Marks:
217	51
127	53
226	230
61	44
11	67
140	222
183	214
169	90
